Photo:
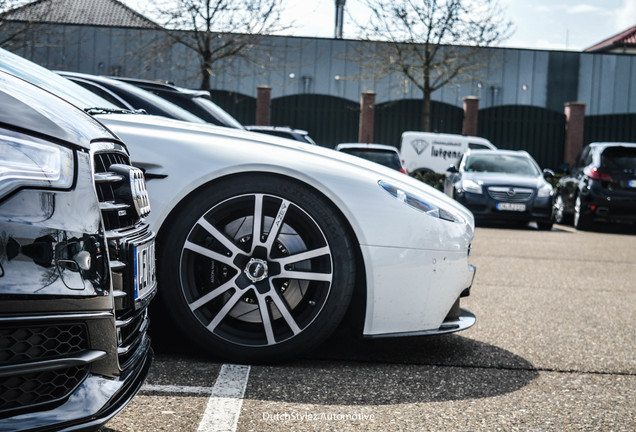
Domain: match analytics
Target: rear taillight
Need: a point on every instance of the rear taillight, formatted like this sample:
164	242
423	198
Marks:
403	171
596	174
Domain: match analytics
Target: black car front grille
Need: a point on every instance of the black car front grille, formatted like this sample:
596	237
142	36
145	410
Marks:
39	345
115	212
23	392
124	228
22	344
131	330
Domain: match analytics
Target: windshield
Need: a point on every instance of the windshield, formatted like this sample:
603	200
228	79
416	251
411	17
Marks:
500	163
619	158
35	74
152	99
224	117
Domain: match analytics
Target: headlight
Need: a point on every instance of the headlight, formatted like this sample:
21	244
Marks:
545	191
471	186
419	203
30	162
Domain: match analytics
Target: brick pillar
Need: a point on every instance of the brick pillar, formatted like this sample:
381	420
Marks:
471	110
263	98
367	117
574	123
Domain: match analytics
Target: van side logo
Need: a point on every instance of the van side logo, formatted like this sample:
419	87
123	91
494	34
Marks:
419	146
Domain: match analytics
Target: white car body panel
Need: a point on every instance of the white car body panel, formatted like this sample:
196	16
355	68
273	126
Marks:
416	264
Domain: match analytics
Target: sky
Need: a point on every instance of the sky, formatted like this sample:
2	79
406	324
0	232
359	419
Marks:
539	24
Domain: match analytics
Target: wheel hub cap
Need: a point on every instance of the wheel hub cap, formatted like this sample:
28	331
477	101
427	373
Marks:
256	270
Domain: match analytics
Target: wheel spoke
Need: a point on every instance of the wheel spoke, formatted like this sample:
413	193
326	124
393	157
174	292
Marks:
257	221
213	294
266	317
282	308
218	235
296	258
277	224
225	310
302	275
208	253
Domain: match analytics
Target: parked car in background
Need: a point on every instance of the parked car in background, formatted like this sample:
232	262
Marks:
75	282
601	186
267	244
198	102
379	153
132	97
195	102
502	185
283	132
424	152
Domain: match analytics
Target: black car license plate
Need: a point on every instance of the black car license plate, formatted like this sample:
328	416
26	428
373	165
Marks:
144	269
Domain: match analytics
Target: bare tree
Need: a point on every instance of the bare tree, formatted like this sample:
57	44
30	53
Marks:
219	31
14	28
431	42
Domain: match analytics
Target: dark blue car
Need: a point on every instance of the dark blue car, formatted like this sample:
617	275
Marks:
502	185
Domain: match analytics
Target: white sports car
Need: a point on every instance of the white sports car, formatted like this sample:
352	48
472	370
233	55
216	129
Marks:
265	244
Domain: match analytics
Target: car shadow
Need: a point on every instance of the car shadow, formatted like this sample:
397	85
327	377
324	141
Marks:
347	370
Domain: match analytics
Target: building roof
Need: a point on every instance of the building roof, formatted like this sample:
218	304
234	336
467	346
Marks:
110	13
626	38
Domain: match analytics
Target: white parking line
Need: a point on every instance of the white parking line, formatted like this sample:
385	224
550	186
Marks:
153	388
224	406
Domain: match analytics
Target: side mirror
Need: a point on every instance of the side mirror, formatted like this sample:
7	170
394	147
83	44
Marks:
548	174
452	169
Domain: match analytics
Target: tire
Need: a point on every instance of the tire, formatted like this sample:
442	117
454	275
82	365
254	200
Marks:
251	301
558	209
581	220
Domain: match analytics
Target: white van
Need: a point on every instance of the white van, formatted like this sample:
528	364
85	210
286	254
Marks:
423	152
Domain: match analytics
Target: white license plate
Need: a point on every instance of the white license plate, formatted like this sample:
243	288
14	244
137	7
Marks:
518	207
632	183
144	268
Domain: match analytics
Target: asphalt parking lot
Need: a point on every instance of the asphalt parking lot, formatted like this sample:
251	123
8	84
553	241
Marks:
554	349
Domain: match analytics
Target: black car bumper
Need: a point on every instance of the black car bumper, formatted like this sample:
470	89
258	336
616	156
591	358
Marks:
484	207
91	403
605	207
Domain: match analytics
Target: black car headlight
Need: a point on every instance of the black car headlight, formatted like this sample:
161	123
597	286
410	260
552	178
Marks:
419	203
30	162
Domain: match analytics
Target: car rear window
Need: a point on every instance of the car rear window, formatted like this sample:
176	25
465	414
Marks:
386	158
619	158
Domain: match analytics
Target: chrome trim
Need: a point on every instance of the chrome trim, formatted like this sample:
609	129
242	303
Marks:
65	317
137	187
133	231
112	206
116	265
123	350
107	177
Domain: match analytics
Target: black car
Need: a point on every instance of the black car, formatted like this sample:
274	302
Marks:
198	102
76	266
502	185
601	186
129	96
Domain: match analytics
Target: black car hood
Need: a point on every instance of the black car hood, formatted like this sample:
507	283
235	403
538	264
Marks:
28	108
501	179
